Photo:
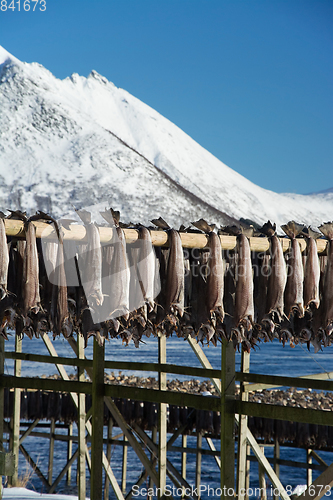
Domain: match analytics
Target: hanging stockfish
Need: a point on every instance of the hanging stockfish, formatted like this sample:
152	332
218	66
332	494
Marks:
59	306
276	281
244	304
146	267
214	282
31	296
91	272
119	274
175	279
293	296
311	271
4	258
327	316
175	276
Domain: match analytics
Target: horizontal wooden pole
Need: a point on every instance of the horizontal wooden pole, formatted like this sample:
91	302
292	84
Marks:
77	232
291	413
117	365
115	391
308	383
210	403
45	384
316	376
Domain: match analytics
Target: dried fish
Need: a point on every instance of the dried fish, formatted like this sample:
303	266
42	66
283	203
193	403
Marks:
311	273
327	316
120	279
4	258
146	267
293	296
244	307
91	265
31	296
175	275
215	277
59	307
278	275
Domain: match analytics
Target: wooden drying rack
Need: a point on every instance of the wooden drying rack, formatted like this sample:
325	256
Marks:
159	238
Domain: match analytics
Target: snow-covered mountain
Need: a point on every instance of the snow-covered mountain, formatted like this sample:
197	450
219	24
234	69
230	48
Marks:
83	141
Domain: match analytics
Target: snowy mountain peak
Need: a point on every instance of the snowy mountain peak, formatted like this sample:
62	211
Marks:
82	141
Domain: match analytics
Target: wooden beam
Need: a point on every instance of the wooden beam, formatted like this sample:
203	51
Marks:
276	460
108	457
16	413
2	398
214	450
262	480
96	478
124	468
162	420
77	232
29	430
34	467
291	413
198	462
314	376
309	470
63	471
51	451
242	432
227	419
277	380
320	486
81	398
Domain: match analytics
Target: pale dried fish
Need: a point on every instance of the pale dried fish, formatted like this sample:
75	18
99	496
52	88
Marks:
293	296
311	273
31	296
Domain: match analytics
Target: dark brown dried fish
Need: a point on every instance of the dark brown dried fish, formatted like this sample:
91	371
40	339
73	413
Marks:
59	306
327	316
175	275
244	307
215	277
278	275
293	296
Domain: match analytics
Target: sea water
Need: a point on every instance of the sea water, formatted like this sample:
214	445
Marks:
268	358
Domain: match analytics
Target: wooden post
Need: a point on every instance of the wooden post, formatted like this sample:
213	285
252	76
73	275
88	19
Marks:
2	398
69	454
16	413
153	460
276	458
227	420
184	454
242	432
198	462
108	457
81	465
96	479
162	420
308	470
247	477
124	467
51	450
262	480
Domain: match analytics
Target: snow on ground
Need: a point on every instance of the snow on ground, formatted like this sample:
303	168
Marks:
24	494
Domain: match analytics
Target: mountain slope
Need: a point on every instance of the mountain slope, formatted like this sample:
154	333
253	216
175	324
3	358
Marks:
82	141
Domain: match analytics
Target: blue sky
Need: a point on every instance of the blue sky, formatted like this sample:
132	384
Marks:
249	80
